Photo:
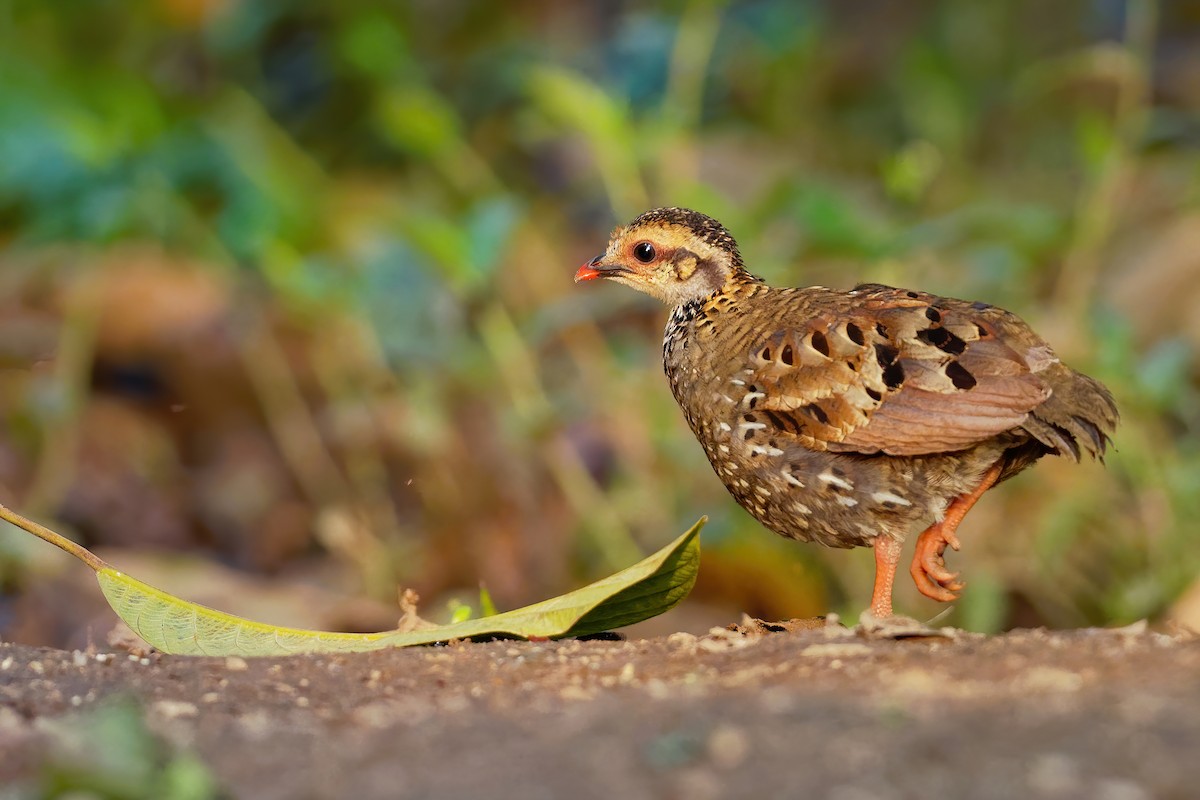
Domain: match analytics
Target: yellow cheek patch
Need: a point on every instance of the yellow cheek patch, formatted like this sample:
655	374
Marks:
685	266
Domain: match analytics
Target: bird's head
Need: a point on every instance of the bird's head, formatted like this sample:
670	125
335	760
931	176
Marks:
673	254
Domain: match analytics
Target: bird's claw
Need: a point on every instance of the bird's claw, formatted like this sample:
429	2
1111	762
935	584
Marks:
935	568
929	571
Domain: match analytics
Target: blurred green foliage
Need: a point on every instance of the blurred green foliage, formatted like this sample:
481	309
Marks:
384	203
108	753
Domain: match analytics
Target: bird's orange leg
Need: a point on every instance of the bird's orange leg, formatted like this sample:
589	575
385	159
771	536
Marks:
887	556
928	567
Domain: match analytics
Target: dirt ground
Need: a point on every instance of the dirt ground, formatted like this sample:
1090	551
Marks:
826	712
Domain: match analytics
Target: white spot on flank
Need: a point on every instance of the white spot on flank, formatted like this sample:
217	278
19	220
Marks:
848	502
724	448
800	508
737	382
742	483
764	491
724	426
834	480
726	398
751	426
790	478
750	397
765	451
888	497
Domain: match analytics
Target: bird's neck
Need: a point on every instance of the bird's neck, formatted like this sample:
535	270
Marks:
739	283
740	277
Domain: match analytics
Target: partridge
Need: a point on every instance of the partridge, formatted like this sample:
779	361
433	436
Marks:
848	418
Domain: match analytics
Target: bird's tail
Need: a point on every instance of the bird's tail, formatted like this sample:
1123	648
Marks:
1079	415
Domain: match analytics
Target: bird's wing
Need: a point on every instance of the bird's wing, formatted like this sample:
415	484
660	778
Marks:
897	372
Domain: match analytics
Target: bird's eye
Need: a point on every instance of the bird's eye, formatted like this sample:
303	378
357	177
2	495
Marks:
643	252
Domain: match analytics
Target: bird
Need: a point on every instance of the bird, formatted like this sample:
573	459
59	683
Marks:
851	418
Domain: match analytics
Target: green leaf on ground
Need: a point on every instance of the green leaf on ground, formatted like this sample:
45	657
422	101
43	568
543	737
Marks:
648	588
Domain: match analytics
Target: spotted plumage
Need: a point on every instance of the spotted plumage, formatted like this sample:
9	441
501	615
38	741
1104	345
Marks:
850	418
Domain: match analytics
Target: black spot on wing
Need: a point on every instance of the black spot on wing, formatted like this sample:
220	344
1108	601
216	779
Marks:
959	376
943	340
886	354
820	343
817	413
893	375
783	422
893	372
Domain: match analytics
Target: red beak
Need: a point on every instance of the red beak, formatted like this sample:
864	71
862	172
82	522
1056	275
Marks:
591	270
586	273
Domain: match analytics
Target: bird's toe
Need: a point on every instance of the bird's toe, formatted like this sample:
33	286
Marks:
935	581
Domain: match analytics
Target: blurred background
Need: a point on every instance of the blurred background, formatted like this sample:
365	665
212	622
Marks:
287	318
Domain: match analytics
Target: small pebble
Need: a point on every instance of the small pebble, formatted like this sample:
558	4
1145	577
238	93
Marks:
728	746
575	693
836	650
1053	774
173	709
1120	789
682	640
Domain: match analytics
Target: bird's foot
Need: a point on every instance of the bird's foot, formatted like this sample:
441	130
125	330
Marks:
928	568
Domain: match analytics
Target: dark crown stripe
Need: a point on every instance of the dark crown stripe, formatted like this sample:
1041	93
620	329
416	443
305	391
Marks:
703	226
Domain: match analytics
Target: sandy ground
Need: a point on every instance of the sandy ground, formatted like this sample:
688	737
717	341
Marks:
826	712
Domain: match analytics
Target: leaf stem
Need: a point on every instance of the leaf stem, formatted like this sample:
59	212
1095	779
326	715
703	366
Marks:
58	540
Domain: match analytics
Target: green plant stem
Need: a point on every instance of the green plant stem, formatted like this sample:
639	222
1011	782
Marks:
1101	196
519	371
517	364
60	427
289	419
684	100
347	347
